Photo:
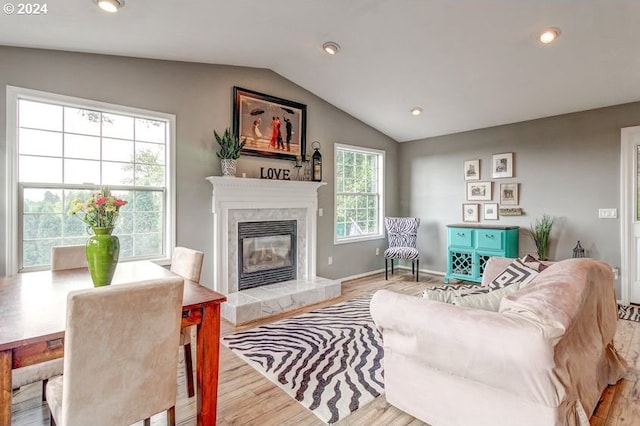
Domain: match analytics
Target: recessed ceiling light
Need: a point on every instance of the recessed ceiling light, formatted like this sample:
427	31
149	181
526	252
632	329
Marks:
549	35
110	6
331	47
416	111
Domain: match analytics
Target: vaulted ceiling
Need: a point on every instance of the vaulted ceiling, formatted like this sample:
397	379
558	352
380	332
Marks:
468	64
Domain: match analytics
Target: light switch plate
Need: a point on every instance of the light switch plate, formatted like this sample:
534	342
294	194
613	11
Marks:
608	213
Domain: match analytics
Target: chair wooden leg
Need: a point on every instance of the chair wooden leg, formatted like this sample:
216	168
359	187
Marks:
188	366
417	268
171	416
413	268
147	422
391	266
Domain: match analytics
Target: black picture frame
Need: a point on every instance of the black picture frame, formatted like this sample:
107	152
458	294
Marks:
254	118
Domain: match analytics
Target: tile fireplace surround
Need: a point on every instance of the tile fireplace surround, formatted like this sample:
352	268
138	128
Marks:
237	200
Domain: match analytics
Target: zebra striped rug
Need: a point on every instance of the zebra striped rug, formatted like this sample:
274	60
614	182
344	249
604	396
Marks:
629	312
329	360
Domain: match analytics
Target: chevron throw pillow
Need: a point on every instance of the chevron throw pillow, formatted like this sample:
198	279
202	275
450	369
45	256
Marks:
534	263
516	272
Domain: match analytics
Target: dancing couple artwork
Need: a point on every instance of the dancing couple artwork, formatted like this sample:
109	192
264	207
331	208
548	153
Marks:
273	127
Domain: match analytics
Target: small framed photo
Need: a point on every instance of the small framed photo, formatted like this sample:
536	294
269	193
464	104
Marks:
479	191
472	170
502	165
509	194
490	211
470	213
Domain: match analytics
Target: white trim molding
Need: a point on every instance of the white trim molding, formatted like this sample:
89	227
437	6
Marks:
12	197
628	199
230	195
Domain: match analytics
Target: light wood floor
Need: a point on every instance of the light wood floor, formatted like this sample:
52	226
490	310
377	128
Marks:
247	398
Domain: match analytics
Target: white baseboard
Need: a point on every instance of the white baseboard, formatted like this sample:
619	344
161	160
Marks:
378	271
364	274
426	271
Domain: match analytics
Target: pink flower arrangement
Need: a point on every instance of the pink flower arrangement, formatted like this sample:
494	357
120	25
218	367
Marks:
100	210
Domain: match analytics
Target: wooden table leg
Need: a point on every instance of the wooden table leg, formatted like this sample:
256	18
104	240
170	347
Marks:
208	357
5	387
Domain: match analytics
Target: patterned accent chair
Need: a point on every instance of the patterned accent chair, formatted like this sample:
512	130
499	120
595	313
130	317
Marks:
402	233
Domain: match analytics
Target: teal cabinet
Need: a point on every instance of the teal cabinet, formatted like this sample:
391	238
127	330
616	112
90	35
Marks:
470	246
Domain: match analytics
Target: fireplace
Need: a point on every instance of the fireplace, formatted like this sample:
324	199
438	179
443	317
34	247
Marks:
240	203
266	252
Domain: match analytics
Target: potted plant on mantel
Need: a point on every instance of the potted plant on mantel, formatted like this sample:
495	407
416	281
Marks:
229	153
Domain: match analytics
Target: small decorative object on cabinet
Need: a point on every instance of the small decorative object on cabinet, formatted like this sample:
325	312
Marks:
470	246
229	153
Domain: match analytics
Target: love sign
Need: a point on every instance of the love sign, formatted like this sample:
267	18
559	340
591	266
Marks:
273	173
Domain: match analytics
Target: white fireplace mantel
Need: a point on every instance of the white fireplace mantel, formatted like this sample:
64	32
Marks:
237	194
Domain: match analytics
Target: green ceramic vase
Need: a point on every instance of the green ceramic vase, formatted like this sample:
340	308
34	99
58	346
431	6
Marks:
103	250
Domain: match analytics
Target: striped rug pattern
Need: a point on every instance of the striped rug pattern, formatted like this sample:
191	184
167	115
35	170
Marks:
629	312
329	360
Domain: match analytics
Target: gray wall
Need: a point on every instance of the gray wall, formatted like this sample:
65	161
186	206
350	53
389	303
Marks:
200	96
567	166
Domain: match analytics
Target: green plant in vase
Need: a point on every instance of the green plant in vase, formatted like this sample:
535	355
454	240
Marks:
100	212
230	147
540	231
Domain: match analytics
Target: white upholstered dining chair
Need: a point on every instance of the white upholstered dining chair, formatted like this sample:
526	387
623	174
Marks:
120	360
68	257
188	264
62	257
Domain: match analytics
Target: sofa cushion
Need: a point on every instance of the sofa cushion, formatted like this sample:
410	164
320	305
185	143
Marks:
486	300
446	293
534	263
516	272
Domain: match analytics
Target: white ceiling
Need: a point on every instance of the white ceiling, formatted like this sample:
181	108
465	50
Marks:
469	64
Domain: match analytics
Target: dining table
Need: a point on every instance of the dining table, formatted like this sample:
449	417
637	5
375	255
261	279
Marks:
33	308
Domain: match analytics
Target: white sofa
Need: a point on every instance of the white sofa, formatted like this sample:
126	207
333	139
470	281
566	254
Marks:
543	359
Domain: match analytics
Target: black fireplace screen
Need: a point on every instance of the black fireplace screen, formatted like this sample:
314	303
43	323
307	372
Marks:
266	252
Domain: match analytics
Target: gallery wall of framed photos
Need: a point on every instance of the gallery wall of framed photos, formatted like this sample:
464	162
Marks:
481	203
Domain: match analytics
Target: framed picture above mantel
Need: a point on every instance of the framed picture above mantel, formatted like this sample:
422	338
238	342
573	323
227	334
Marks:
273	127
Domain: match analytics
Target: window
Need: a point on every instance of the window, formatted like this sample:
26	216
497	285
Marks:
62	148
359	193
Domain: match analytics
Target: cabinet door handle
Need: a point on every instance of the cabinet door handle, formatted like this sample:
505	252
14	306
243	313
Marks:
490	236
460	234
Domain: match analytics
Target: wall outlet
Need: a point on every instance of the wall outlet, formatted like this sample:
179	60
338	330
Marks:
320	211
377	251
330	260
607	213
616	272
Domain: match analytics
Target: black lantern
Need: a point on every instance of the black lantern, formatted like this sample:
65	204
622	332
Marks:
316	162
578	251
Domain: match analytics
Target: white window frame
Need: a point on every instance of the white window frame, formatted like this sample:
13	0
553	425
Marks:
381	191
14	94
